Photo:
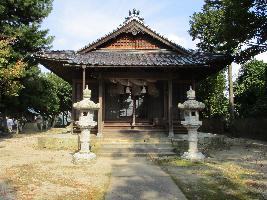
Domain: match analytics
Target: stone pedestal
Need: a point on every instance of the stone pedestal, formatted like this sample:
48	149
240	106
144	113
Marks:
193	153
84	155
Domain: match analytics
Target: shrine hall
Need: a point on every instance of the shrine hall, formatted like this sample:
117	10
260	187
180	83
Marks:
136	75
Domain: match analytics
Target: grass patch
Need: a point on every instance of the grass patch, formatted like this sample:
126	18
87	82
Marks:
177	162
214	180
33	182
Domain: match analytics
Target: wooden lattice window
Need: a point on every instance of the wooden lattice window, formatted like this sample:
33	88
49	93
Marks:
127	42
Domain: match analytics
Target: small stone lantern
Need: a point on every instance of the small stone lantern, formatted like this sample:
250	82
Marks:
191	109
86	122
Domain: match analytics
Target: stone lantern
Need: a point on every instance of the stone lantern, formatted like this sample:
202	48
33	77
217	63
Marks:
86	122
191	122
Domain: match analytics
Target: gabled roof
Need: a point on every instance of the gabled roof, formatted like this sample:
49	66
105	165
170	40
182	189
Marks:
133	24
150	50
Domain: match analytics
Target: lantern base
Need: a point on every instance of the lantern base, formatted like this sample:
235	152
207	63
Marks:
193	156
83	158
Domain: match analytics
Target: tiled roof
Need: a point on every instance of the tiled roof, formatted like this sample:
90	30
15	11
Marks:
129	58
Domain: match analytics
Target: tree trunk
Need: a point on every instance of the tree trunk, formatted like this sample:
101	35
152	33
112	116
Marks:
231	92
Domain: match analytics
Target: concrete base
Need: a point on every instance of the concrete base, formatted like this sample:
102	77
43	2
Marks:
193	156
83	158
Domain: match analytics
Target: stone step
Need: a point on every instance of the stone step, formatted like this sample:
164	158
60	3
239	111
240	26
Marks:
136	145
137	134
144	131
135	139
117	141
139	130
134	154
136	150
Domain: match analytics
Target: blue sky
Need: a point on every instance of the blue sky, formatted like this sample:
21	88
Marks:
76	23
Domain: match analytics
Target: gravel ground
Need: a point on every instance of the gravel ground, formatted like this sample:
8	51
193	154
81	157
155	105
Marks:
30	173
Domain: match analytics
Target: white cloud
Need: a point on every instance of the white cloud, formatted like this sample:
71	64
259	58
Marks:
262	56
182	41
78	23
236	67
60	42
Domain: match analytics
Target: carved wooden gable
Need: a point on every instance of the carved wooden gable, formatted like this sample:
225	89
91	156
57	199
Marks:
130	41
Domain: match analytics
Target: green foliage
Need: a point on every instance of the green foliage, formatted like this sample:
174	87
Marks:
210	91
21	21
63	91
48	95
250	89
10	72
230	26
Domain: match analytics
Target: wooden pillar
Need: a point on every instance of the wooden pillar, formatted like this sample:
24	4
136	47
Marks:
170	114
193	84
84	67
165	99
134	109
100	111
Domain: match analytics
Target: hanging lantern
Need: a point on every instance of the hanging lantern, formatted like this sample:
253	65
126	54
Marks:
128	90
143	91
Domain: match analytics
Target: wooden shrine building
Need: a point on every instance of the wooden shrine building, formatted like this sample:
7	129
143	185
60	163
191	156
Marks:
137	76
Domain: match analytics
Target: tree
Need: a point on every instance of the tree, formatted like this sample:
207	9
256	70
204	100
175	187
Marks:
10	72
21	21
233	27
229	26
211	92
63	92
48	95
251	91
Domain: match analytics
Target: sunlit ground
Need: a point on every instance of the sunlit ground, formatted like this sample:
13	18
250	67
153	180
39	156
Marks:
30	173
236	173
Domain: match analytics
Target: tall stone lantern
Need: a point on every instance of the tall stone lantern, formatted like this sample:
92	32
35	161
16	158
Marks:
86	122
191	122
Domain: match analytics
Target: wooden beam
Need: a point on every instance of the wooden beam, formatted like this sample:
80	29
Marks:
100	111
137	75
170	106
